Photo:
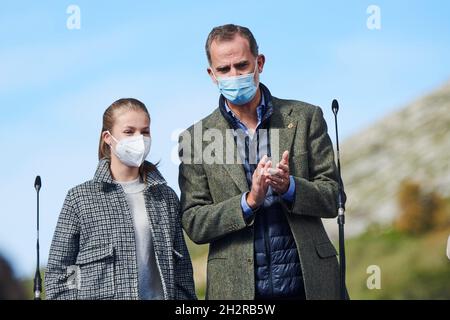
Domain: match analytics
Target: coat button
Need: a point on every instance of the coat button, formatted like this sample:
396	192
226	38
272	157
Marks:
290	125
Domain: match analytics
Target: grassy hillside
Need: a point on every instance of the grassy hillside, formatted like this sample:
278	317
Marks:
412	267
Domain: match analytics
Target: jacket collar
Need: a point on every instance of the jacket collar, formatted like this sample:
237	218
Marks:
103	174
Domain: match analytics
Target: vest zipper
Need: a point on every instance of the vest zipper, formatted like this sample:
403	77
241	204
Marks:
268	253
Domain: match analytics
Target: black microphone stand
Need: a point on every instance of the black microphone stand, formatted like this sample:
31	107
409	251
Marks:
341	209
37	277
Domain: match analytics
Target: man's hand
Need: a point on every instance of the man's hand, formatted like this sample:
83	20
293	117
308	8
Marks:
260	184
279	178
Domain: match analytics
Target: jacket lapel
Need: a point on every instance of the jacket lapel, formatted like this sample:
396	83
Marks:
283	126
235	170
237	173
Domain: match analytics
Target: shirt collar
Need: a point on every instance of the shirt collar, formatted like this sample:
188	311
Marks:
259	109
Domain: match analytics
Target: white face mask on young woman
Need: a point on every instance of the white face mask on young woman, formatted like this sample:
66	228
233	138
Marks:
132	151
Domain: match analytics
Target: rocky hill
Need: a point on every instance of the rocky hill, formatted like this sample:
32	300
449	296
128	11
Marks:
412	143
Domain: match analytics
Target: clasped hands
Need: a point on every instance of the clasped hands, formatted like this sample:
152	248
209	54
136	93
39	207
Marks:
264	176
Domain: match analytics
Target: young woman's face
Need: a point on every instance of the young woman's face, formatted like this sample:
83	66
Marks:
128	123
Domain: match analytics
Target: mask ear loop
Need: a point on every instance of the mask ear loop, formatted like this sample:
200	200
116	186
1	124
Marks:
256	65
111	137
215	78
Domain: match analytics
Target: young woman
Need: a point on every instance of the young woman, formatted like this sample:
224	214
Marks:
119	236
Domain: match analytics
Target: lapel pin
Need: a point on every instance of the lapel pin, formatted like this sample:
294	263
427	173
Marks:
290	125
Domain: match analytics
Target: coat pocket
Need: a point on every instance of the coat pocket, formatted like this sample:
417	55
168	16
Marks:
96	272
326	250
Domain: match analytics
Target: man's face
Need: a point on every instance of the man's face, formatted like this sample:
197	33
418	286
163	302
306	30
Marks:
233	58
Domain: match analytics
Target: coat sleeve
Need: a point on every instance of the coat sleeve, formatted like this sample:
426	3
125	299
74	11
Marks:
203	220
61	270
317	196
184	277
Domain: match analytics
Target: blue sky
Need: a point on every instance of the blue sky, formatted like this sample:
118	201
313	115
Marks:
55	83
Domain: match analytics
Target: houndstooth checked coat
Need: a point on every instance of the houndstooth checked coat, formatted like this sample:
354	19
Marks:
93	253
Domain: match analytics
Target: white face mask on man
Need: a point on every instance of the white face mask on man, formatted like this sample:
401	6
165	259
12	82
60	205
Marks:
132	151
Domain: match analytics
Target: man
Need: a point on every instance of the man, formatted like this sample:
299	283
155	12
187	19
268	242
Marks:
260	214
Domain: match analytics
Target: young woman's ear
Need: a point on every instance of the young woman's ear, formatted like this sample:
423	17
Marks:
106	137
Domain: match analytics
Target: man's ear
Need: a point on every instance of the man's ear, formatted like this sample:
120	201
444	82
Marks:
261	61
211	75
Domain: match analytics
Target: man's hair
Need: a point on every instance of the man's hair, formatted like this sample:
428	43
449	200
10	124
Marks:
227	32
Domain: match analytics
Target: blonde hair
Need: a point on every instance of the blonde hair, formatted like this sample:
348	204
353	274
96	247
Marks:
109	118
